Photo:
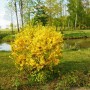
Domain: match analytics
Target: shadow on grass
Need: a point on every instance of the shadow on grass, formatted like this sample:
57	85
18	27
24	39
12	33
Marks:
71	66
72	74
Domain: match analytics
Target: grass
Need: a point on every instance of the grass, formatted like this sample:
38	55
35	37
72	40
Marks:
76	31
7	71
74	71
76	34
76	60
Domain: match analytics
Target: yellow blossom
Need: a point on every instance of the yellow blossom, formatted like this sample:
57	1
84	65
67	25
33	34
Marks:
37	47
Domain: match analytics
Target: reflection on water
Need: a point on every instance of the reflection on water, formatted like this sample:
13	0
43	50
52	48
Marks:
5	47
77	43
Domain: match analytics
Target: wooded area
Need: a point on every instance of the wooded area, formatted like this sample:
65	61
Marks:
65	14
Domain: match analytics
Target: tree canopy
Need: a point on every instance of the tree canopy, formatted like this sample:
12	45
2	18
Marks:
60	13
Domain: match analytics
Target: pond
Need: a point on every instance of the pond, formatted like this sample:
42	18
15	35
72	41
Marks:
70	44
76	44
5	47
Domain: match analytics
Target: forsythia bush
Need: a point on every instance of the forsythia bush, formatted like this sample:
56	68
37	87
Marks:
37	48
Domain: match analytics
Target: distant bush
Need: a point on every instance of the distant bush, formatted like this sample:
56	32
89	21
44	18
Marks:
8	38
36	51
3	35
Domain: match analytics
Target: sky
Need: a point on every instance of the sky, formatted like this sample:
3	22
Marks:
4	20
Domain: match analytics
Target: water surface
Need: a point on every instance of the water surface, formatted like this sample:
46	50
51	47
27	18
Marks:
5	47
77	43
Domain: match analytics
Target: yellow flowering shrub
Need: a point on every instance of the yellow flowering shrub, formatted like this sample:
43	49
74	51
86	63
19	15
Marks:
37	48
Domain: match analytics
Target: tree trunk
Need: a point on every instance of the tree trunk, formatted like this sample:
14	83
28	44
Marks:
29	18
68	24
76	21
29	14
16	16
76	16
11	22
50	21
21	11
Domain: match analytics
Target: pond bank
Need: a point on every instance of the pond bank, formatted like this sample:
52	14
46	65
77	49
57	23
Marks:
76	44
78	35
84	37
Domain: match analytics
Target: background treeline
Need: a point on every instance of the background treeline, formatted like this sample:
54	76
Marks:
64	14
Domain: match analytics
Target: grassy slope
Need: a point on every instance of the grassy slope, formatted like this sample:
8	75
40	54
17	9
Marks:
71	61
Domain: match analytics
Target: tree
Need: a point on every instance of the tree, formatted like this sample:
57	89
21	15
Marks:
13	6
11	26
76	13
72	9
11	15
41	16
28	10
86	4
53	9
21	11
16	11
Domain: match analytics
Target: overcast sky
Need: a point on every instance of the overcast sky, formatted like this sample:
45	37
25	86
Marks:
4	21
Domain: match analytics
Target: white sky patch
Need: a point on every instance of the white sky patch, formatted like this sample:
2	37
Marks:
3	22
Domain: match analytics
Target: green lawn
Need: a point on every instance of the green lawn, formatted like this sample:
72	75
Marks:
7	71
74	66
76	60
76	34
76	31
